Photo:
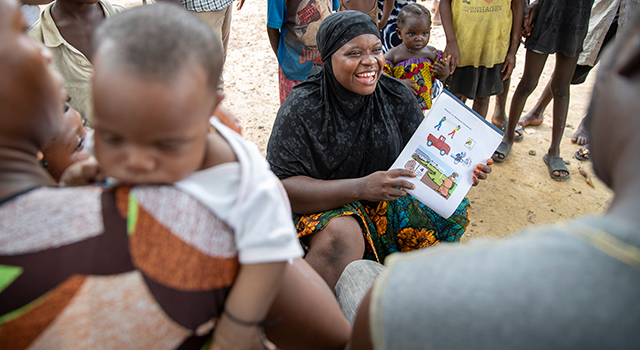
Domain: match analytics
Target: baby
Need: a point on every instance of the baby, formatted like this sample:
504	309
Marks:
153	98
416	64
68	146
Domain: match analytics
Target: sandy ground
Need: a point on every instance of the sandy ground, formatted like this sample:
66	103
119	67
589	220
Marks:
519	192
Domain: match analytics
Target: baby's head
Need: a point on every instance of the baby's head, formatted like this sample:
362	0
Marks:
154	90
67	147
414	26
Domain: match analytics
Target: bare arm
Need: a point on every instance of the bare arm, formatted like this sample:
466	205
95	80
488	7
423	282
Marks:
249	300
274	39
308	195
387	8
517	11
451	50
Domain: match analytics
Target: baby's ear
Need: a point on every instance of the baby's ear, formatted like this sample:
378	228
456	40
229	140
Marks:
398	34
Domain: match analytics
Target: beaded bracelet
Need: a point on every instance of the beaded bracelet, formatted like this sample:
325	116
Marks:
241	322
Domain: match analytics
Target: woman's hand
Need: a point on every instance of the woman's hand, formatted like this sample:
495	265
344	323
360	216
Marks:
232	336
441	69
384	186
481	172
412	85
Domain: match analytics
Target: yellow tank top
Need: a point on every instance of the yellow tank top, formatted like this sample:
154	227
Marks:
483	31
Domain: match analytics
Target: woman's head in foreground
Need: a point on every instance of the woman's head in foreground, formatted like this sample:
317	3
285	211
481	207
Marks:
30	103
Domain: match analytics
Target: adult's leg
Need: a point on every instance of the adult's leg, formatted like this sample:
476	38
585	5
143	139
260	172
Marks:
333	248
220	23
533	66
500	112
536	115
481	106
560	90
309	315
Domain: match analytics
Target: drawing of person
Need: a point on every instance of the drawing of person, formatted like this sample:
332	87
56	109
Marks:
437	127
447	184
454	131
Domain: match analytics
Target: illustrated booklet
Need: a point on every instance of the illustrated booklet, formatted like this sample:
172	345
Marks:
449	143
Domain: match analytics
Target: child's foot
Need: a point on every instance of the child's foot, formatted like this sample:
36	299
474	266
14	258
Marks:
580	137
557	169
499	119
501	152
583	153
531	118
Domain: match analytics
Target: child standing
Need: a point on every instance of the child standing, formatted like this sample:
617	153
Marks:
416	64
553	27
65	27
292	26
482	39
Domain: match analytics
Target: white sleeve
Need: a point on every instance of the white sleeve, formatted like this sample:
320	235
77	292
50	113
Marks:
263	223
254	203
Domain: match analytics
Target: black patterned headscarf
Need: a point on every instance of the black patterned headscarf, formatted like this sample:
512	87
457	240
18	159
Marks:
326	131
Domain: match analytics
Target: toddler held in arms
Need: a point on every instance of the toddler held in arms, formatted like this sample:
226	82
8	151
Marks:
419	66
153	98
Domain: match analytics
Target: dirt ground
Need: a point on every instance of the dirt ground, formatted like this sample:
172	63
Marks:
518	193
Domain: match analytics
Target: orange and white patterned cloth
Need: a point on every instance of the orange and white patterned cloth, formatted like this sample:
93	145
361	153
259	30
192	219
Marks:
83	269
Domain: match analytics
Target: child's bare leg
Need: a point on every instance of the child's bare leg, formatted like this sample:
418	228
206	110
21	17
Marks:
536	115
309	312
581	136
500	112
336	246
560	90
436	14
461	97
481	106
533	66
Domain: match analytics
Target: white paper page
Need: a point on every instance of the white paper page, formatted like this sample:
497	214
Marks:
444	150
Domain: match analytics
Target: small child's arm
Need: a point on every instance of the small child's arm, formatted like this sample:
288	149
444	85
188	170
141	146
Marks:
274	39
246	307
440	68
517	11
451	50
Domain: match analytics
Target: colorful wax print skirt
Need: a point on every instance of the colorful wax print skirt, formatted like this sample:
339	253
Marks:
418	69
402	225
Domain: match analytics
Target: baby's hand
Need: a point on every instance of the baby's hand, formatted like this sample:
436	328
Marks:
82	173
441	68
412	85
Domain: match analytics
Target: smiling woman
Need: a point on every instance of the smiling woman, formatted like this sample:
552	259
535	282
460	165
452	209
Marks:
332	144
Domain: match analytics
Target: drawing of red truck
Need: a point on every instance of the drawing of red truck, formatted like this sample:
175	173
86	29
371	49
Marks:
439	144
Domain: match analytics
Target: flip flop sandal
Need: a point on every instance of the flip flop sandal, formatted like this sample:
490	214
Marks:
503	149
556	164
583	153
519	133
